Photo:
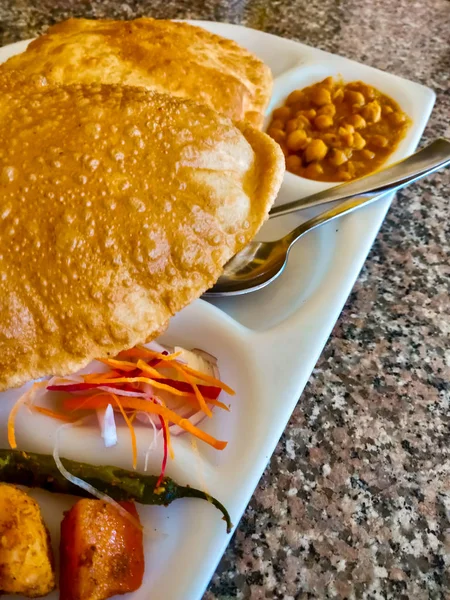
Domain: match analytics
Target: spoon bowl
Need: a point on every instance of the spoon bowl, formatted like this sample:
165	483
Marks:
260	263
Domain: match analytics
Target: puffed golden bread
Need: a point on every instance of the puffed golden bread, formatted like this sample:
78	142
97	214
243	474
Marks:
164	56
118	207
26	558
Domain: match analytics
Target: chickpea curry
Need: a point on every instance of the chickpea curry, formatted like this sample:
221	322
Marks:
331	131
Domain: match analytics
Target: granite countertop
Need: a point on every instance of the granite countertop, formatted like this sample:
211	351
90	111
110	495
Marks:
356	500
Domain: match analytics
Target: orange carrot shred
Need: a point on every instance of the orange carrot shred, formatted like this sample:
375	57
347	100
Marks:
208	378
150	370
123	365
159	355
201	401
169	442
15	409
152	382
130	427
136	352
51	413
93	377
101	401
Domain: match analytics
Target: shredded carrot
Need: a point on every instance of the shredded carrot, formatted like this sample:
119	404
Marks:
101	401
208	378
93	377
123	365
152	382
24	398
51	413
130	427
136	352
12	419
159	355
143	366
169	442
201	401
133	416
193	400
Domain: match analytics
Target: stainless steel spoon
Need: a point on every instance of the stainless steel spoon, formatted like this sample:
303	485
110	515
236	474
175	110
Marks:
260	263
429	159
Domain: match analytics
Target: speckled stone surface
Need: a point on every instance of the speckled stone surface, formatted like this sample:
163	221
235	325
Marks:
356	500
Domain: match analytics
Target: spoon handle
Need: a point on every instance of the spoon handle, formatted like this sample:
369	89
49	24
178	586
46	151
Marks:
431	158
348	206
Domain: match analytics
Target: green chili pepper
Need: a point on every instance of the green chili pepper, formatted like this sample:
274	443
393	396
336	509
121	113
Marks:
39	470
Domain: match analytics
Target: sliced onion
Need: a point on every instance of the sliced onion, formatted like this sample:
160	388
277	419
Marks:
107	425
69	380
90	489
205	355
119	392
198	360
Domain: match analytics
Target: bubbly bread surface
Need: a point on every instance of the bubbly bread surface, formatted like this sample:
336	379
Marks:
118	207
164	56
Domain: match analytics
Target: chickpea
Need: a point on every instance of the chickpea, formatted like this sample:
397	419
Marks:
283	113
368	154
321	96
328	82
365	89
315	150
296	140
351	168
294	97
387	110
358	141
379	141
327	109
338	95
332	140
277	134
372	112
302	120
277	124
343	175
357	121
355	98
346	135
309	114
292	125
346	128
397	118
293	163
323	121
337	158
368	91
313	170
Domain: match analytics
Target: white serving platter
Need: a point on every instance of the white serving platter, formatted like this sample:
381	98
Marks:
267	344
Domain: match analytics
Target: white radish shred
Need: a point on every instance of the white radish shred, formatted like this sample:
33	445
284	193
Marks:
84	485
107	425
155	436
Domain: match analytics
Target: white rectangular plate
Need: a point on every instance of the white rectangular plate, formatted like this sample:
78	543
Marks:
267	344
